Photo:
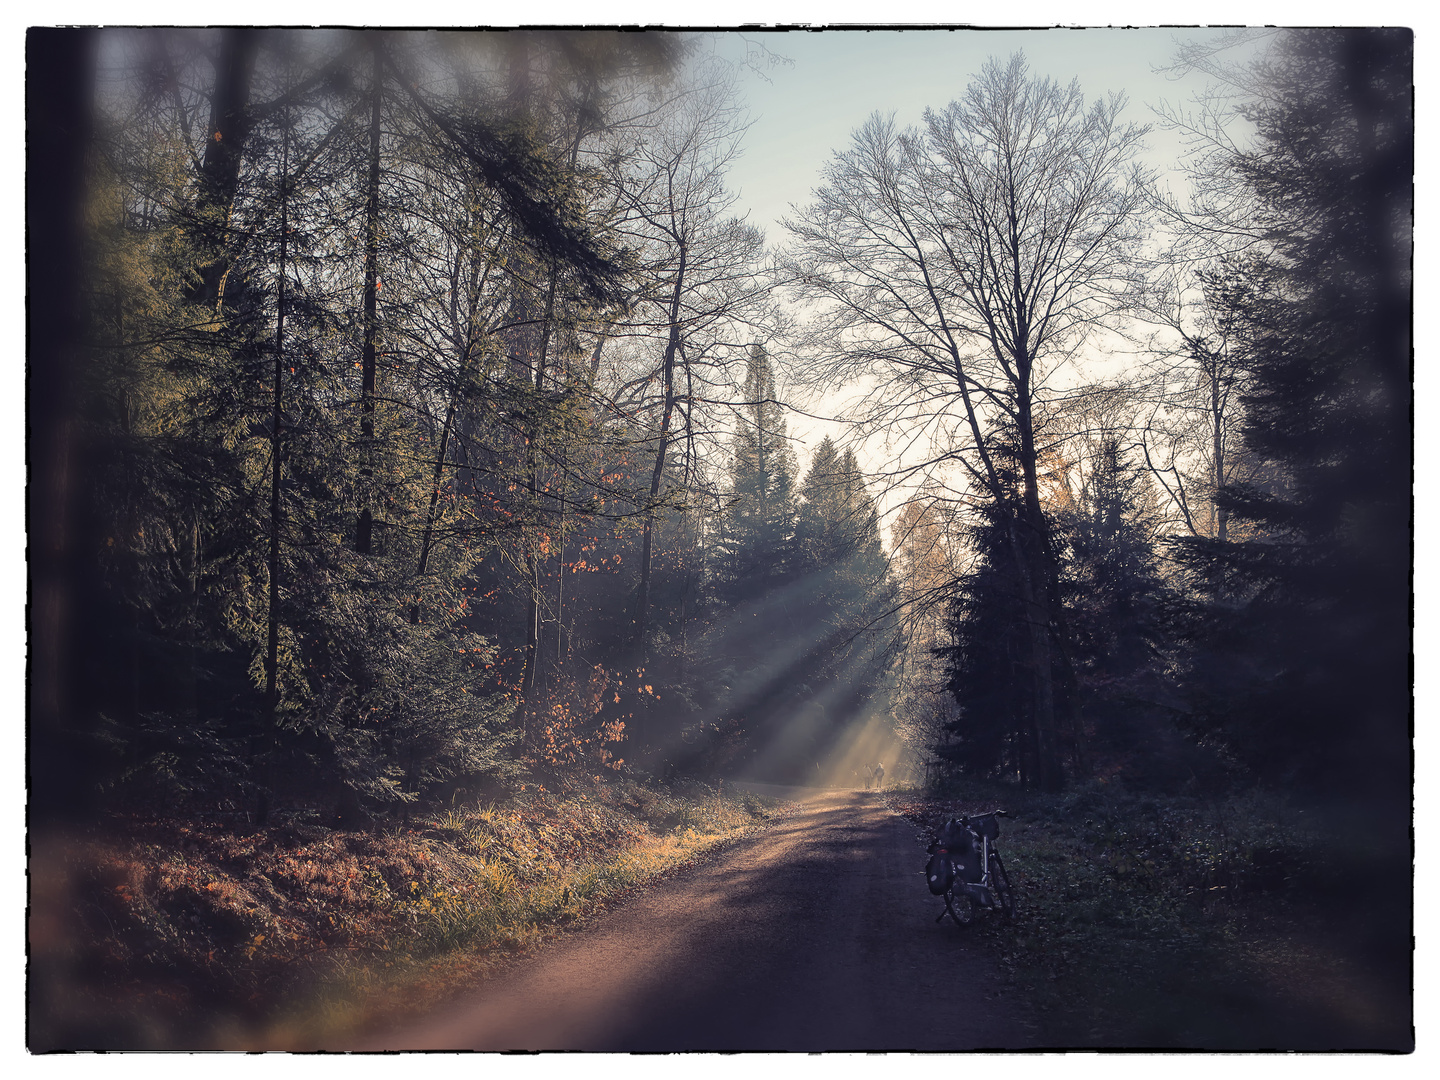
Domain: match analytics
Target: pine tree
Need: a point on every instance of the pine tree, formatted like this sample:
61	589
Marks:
845	591
986	658
755	549
837	519
837	541
1114	597
1302	664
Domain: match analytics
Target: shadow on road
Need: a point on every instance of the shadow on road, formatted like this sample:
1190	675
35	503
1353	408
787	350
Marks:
816	935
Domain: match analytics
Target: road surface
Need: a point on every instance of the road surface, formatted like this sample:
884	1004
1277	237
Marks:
817	934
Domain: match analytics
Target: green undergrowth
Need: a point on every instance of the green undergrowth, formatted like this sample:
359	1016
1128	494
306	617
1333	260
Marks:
1174	922
163	933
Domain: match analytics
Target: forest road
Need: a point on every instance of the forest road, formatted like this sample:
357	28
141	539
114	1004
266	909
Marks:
816	934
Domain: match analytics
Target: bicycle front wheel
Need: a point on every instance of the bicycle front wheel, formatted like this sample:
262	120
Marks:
1000	887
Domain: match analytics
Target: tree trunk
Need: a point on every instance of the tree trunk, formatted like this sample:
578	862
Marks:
59	86
192	586
467	347
230	126
1217	419
532	637
364	526
530	538
642	599
272	636
436	480
530	672
1036	597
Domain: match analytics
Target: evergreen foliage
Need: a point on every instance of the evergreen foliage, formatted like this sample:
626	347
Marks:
755	550
1275	635
1302	660
1116	599
987	656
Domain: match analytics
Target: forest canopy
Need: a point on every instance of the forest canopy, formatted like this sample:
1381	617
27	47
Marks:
410	417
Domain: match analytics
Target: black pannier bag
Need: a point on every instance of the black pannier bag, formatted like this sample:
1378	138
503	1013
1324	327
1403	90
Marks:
939	873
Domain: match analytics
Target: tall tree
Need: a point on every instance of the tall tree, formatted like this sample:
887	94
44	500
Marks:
989	653
755	549
992	729
1305	663
837	521
1108	523
1189	413
843	589
699	288
959	265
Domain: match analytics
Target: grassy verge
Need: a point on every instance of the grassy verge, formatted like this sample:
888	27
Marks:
1167	922
163	933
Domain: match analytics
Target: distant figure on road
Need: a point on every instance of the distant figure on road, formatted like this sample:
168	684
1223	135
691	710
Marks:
879	774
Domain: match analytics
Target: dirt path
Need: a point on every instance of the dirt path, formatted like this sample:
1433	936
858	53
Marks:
817	934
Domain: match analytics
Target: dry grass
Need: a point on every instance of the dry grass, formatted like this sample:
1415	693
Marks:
160	933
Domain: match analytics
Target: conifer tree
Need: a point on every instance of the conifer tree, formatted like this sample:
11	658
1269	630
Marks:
995	730
755	550
1115	596
1302	665
992	732
843	594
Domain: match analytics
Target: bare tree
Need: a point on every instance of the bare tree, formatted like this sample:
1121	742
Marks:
700	295
1189	419
960	266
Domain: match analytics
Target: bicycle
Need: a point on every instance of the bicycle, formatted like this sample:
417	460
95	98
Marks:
967	870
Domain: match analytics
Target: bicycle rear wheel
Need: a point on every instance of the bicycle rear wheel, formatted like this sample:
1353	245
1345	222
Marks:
960	907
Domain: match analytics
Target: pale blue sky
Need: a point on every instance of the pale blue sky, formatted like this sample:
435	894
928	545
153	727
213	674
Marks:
808	109
839	77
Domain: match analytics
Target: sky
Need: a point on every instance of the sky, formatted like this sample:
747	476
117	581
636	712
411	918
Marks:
836	78
823	84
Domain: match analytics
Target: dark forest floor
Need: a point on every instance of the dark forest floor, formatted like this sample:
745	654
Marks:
1172	923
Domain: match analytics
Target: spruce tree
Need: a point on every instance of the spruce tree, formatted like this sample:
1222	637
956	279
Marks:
996	730
756	545
844	587
1115	596
1302	658
992	733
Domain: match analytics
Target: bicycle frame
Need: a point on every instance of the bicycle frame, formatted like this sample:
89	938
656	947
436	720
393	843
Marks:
982	886
982	826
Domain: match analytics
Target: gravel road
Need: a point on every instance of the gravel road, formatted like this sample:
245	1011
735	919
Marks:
817	934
